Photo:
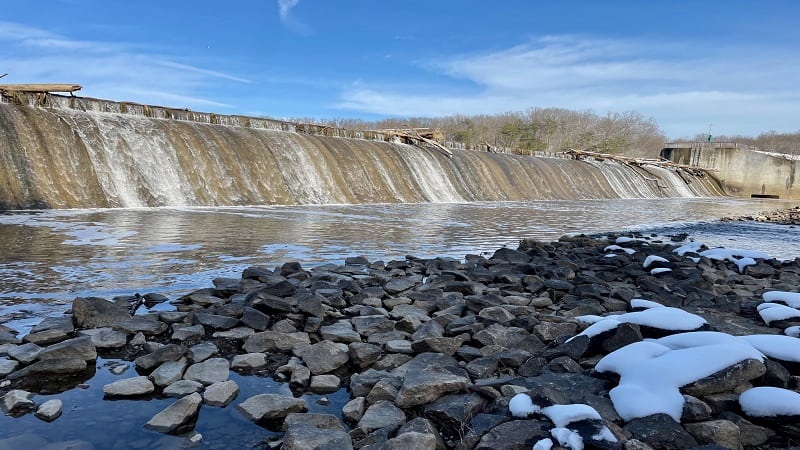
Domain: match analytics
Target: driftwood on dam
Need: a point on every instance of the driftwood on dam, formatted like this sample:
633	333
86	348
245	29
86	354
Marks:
38	87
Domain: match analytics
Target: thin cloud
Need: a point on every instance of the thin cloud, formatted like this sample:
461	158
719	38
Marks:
284	12
579	72
111	70
284	7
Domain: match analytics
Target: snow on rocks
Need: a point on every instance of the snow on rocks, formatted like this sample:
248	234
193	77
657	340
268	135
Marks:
515	350
768	401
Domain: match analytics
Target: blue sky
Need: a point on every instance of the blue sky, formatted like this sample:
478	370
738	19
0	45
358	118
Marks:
732	64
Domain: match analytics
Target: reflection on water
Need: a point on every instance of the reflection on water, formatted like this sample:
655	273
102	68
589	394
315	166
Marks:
48	258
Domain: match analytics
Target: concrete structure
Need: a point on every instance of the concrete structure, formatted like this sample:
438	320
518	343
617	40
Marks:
743	170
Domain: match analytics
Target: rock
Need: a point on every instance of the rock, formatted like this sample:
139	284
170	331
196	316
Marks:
304	437
274	341
50	330
417	441
750	434
720	432
238	333
444	345
106	337
177	415
363	354
455	410
726	379
322	421
208	372
169	352
16	400
550	331
77	348
425	386
660	431
497	334
59	366
324	384
625	333
7	366
129	387
354	409
168	372
25	353
270	406
186	333
301	377
181	388
382	414
398	285
341	331
214	321
49	410
202	351
255	319
95	312
249	361
140	324
324	356
399	346
385	389
221	393
514	435
695	410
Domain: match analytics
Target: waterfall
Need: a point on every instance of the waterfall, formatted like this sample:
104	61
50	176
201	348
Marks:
101	155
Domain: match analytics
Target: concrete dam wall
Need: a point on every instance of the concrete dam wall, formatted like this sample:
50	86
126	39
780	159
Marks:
743	171
83	153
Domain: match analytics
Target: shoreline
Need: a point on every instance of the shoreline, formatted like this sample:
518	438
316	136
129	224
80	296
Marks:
430	349
786	216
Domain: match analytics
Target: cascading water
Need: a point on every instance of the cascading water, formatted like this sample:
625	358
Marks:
68	158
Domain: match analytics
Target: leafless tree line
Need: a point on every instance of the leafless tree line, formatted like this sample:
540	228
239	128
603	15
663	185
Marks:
770	141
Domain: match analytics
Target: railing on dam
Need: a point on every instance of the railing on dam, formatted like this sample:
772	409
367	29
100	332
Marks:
709	145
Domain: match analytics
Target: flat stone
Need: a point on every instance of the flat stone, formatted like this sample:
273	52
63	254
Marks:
25	353
726	379
417	441
274	342
181	388
322	421
255	319
516	434
270	406
398	285
176	415
7	366
202	351
17	400
106	337
455	409
354	409
139	324
249	361
76	348
221	393
363	354
129	387
402	346
304	437
323	357
341	331
238	333
49	410
208	372
58	366
169	352
95	312
186	333
444	345
382	414
496	334
425	386
720	432
214	321
168	372
660	431
324	384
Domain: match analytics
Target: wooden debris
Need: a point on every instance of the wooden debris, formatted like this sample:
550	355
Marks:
580	154
40	88
417	136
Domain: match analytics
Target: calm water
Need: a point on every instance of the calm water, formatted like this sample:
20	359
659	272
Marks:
48	258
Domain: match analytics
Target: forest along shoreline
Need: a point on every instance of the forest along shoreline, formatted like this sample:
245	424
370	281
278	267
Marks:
487	353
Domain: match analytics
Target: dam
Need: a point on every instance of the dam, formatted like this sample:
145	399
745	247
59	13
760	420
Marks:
71	152
743	170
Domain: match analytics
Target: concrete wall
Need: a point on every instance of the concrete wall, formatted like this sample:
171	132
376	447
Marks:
743	171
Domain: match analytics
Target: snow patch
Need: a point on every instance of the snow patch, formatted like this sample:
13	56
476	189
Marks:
768	401
642	303
792	331
568	438
659	270
692	247
521	405
651	259
790	298
617	248
563	415
543	444
775	312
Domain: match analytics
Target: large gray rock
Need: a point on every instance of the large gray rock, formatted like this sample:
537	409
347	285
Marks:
425	386
7	366
186	333
354	409
305	437
324	384
58	366
144	325
181	388
94	312
515	435
169	352
129	387
49	410
382	414
496	334
168	372
25	353
270	406
208	372
202	351
221	393
660	431
17	400
249	361
214	321
720	432
363	354
341	331
417	441
77	348
274	341
176	415
255	319
106	337
323	357
726	379
50	330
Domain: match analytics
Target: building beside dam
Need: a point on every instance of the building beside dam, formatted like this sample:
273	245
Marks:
744	170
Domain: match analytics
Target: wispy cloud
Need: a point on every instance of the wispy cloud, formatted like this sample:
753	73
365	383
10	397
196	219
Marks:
114	70
284	12
580	72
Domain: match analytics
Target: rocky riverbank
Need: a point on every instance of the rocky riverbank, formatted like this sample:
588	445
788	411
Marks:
546	345
787	216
